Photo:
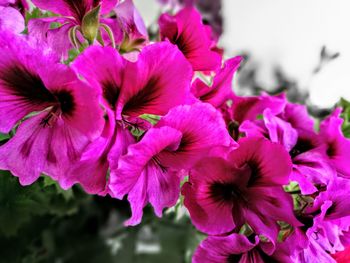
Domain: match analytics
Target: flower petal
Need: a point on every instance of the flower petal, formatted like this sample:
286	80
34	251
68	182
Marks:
140	175
149	86
203	128
191	38
11	19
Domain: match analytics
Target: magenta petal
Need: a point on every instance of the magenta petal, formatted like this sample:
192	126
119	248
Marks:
38	27
149	86
248	108
311	168
208	215
219	249
74	8
275	166
191	37
60	79
140	175
62	7
37	149
11	19
103	67
337	145
280	131
269	205
108	5
91	170
221	90
58	39
22	89
203	128
298	117
130	20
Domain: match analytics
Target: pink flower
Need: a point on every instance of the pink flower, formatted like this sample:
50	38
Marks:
337	145
187	31
221	89
54	137
72	14
310	163
127	91
149	172
246	187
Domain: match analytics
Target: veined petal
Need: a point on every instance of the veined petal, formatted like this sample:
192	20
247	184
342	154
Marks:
104	68
224	249
75	8
78	102
190	35
141	175
337	145
202	128
221	90
280	131
38	148
149	85
22	88
267	169
210	213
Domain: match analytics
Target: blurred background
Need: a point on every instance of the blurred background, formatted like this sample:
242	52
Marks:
303	44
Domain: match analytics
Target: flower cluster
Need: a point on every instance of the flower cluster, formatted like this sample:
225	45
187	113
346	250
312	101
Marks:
128	115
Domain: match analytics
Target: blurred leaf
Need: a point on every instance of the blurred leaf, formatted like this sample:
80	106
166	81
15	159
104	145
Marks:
345	115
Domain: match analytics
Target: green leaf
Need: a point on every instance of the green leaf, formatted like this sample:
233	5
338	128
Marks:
346	116
90	24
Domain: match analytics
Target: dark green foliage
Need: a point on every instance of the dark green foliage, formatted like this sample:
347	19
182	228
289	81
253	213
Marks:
43	223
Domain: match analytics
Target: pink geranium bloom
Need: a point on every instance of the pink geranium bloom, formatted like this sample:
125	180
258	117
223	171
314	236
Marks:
221	89
246	187
127	91
331	216
298	117
52	139
149	172
238	248
337	145
72	13
187	31
310	164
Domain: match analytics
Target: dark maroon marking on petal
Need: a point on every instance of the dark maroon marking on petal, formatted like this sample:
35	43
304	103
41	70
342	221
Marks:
25	84
95	3
184	45
51	157
27	147
110	93
186	140
233	258
255	172
66	102
144	97
157	162
226	192
302	145
332	149
78	8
